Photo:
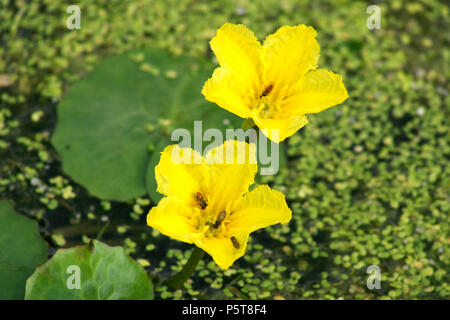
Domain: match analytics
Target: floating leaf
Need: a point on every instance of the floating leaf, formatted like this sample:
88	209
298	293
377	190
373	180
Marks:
150	177
22	250
108	119
90	272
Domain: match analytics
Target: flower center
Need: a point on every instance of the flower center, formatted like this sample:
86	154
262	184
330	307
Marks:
210	223
214	223
270	101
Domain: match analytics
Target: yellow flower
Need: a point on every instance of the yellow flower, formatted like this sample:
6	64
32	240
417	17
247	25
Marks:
208	203
277	83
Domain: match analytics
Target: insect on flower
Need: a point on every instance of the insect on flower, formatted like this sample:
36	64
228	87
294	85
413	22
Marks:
235	242
276	83
219	220
201	201
209	203
267	90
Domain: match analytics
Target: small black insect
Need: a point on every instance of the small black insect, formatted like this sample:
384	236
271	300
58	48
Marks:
267	91
235	242
201	201
219	220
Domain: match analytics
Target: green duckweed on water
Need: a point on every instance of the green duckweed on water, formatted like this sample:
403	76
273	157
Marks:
368	181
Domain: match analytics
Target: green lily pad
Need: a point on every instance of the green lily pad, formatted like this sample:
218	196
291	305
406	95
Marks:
22	250
90	272
108	120
150	177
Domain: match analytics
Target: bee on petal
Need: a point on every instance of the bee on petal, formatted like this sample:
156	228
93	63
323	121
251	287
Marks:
235	242
201	201
219	220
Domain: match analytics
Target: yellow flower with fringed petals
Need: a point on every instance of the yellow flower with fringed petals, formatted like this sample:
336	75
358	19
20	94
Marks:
277	83
208	203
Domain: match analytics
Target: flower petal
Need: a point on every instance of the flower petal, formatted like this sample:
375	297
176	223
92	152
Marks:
180	177
316	91
222	250
260	208
237	84
232	170
223	89
238	50
290	53
279	129
174	219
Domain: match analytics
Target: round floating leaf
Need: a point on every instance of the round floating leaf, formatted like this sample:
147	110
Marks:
22	250
129	102
90	272
150	177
